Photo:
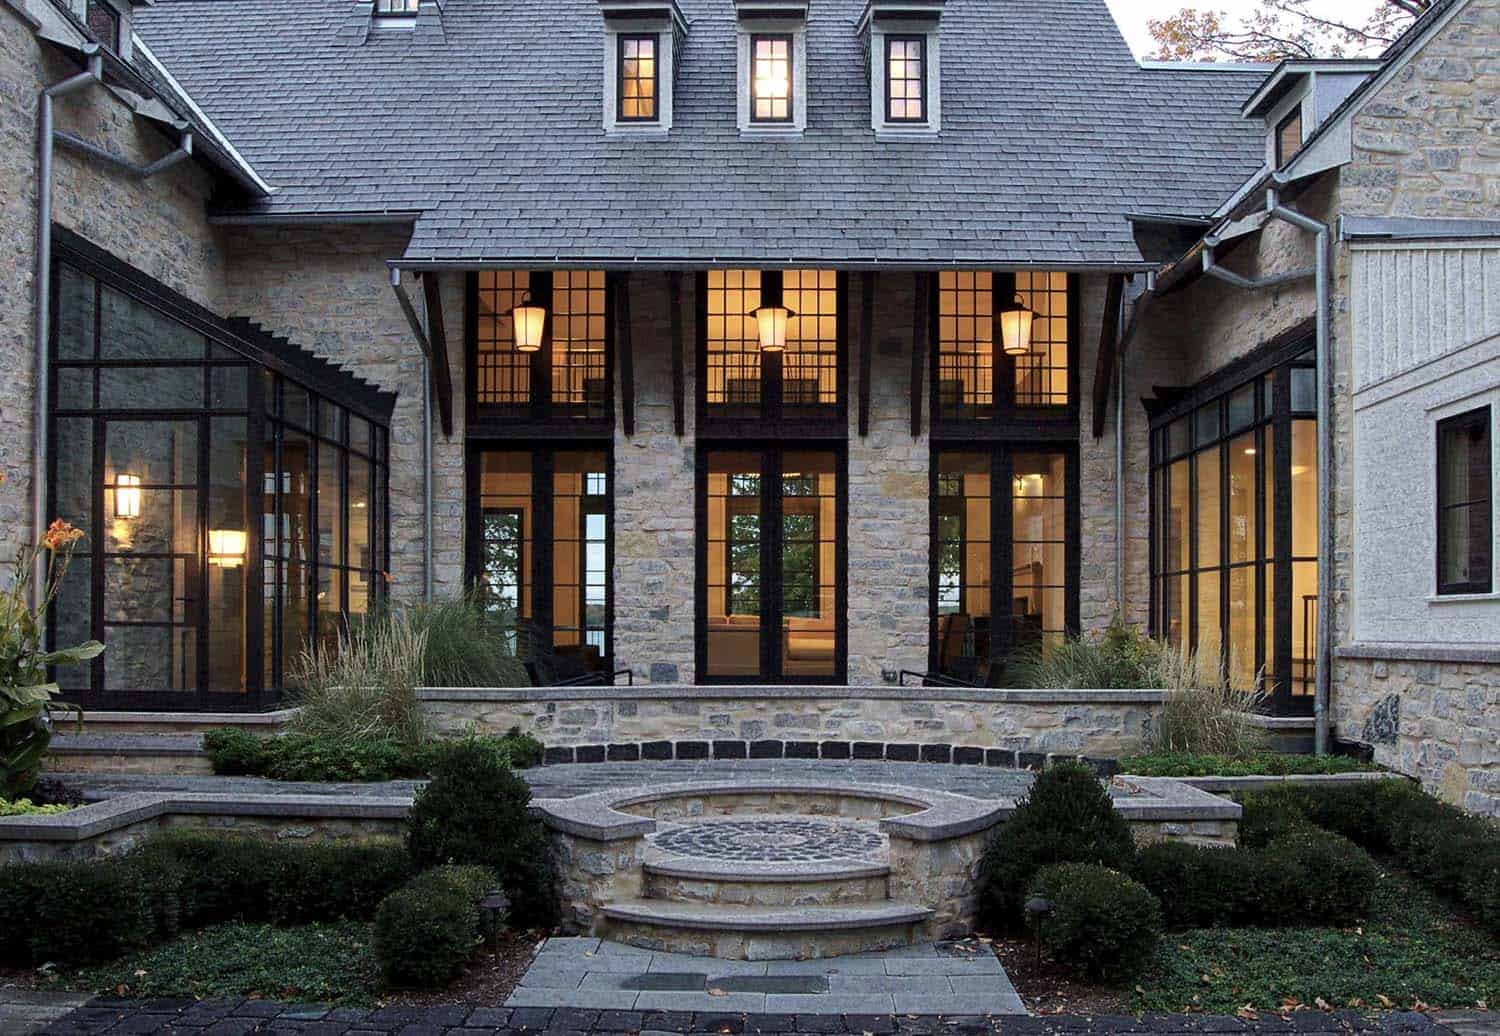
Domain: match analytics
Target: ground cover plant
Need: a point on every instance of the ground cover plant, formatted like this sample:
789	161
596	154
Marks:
27	808
1274	764
311	757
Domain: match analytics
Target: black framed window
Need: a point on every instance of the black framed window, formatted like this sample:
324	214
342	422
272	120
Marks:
797	391
1465	504
396	8
975	383
1288	136
637	94
234	516
771	80
541	545
906	79
1234	491
1005	556
567	381
772	547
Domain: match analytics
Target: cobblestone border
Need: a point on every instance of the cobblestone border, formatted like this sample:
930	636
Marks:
694	750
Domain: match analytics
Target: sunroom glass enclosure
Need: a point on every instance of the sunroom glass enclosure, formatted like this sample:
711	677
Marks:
234	501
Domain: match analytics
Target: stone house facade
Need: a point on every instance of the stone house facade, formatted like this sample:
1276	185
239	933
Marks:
882	492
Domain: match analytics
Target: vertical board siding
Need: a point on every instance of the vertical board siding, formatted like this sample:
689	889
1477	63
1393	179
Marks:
1413	305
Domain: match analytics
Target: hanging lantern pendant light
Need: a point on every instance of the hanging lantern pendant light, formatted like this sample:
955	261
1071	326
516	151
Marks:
772	322
527	320
1015	328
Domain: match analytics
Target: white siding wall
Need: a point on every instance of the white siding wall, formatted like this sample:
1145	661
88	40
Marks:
1426	347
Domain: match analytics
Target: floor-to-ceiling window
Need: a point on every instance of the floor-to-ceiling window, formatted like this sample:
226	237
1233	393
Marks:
164	424
1005	535
1235	526
771	479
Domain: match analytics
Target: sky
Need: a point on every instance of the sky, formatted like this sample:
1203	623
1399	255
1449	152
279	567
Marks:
1134	14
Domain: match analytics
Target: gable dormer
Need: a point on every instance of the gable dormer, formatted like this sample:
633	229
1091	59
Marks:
903	51
1298	96
642	39
771	66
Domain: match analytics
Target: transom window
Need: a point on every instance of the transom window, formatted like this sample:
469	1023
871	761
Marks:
975	379
771	78
906	79
396	8
1465	503
638	79
741	381
568	376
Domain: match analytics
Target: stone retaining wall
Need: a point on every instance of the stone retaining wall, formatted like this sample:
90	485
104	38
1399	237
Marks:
1101	724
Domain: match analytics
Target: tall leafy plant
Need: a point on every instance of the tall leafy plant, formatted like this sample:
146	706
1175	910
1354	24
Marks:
27	698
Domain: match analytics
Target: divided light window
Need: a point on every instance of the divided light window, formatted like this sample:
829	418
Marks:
906	79
1465	490
1288	136
569	376
637	98
771	78
975	380
396	8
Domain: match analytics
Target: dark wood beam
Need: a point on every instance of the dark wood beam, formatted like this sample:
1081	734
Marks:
679	374
1109	338
866	353
437	337
626	351
921	320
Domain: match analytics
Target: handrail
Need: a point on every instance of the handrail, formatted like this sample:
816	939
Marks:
936	679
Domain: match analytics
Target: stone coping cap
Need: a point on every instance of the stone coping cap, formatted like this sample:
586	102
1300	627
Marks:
1169	799
177	719
735	692
1258	782
936	816
100	818
1386	652
703	868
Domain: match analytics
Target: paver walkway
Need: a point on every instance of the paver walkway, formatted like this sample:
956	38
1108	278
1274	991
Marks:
943	979
564	780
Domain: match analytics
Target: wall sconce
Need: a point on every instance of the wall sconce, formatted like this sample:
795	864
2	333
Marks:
1015	328
226	547
127	496
772	322
527	321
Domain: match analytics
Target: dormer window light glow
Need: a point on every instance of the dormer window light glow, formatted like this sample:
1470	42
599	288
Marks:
396	8
771	78
638	86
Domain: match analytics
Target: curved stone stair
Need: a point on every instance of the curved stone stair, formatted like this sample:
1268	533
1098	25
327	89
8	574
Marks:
765	887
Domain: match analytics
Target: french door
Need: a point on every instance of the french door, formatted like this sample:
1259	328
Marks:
771	561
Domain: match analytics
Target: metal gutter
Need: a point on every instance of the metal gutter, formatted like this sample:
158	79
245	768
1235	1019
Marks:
298	219
716	262
417	330
1414	228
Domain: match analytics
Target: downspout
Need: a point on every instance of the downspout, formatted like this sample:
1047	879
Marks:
1120	461
1323	290
418	330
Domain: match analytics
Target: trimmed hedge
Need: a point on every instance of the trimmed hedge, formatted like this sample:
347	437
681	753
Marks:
1067	817
1456	853
1101	921
476	811
98	909
1274	764
426	931
307	757
1306	876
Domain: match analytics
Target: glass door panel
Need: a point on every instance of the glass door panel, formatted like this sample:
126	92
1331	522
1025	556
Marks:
964	563
809	564
580	531
505	531
735	533
1039	546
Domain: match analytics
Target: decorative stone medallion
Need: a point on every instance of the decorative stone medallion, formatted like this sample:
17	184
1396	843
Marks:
773	839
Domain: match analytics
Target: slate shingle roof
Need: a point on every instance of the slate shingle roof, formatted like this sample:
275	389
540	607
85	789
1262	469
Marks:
1051	134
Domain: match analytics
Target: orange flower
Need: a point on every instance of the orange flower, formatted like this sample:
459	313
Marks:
61	534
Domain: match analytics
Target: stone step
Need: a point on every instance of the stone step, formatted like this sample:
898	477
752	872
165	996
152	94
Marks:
127	753
761	932
690	879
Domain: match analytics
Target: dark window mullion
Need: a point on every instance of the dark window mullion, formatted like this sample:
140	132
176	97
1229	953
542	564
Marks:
771	560
543	466
1002	552
202	612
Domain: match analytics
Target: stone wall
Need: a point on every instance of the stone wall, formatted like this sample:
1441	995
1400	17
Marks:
1097	597
328	290
1435	718
1101	724
158	225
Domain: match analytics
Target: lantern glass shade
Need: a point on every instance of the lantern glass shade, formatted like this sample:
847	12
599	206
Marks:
226	547
528	319
772	322
1015	329
127	496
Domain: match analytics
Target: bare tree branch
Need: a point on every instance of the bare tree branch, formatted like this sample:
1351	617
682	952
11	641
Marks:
1280	29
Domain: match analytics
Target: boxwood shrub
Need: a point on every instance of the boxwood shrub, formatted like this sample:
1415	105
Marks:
307	757
1101	921
1068	817
426	931
82	911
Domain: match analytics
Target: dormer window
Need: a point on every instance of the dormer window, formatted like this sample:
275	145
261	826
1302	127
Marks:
906	79
104	22
771	78
642	40
396	8
901	43
772	66
638	84
1288	136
